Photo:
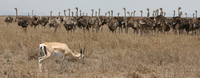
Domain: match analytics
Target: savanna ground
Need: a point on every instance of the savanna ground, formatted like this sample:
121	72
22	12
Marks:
107	55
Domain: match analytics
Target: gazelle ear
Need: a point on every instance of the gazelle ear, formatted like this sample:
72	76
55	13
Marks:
84	49
81	51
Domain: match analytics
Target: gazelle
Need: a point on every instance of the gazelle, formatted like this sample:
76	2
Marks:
49	49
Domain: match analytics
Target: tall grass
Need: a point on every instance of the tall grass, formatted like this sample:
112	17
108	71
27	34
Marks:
108	55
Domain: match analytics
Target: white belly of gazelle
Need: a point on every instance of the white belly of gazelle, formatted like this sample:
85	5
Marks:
57	54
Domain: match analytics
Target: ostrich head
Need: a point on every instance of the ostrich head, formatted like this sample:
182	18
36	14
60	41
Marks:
196	11
186	15
124	8
147	9
179	8
15	8
173	10
161	9
141	11
69	9
134	11
111	11
164	13
128	13
76	8
180	13
64	10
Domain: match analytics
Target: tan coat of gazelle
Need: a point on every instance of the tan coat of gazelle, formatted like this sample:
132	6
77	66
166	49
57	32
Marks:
49	49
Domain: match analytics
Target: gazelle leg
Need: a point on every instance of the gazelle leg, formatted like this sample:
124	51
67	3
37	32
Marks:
41	59
63	58
67	67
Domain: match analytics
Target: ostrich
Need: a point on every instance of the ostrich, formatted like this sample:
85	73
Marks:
80	12
141	12
153	14
109	15
93	21
72	14
111	12
193	15
161	11
101	20
196	13
99	12
125	20
131	22
113	24
180	14
34	20
120	20
76	12
148	12
179	8
118	14
95	14
22	21
54	22
174	13
164	14
16	17
69	22
8	19
157	12
185	15
129	14
134	13
69	12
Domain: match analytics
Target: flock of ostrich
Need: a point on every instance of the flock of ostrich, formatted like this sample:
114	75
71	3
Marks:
143	25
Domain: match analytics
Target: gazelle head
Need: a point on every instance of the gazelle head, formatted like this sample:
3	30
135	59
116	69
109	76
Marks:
81	57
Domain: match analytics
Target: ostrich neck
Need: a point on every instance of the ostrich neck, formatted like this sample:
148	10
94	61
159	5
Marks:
141	14
92	14
65	15
32	14
99	13
80	13
77	13
69	13
124	14
196	15
157	13
174	13
111	14
16	13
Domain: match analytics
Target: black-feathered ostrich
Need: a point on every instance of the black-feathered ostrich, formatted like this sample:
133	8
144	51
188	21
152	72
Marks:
69	22
54	22
8	19
22	21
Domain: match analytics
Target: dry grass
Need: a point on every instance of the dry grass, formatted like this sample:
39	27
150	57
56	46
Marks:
107	55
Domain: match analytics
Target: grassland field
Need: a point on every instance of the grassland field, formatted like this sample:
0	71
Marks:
107	55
